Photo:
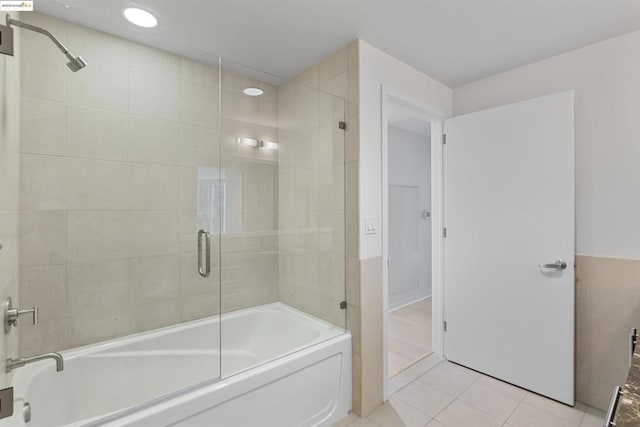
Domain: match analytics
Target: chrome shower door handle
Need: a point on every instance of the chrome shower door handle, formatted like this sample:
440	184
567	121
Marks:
204	266
558	265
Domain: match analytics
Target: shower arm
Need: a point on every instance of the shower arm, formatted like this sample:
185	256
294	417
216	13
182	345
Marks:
58	43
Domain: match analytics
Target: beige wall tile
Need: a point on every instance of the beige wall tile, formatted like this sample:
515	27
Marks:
151	60
10	112
96	134
97	236
198	73
198	104
336	85
43	129
43	182
152	233
98	286
97	185
100	326
10	175
103	85
155	278
158	314
333	65
152	140
153	187
92	45
43	338
10	246
45	288
200	306
197	146
153	95
40	64
43	238
606	309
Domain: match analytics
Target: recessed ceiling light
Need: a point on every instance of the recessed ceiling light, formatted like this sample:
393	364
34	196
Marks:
140	17
253	91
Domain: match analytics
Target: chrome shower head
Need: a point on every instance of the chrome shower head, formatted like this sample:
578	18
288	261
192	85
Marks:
76	63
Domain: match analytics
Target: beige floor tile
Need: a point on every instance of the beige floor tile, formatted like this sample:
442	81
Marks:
355	421
572	414
489	400
527	415
409	336
413	372
450	378
592	418
502	387
425	398
460	414
396	413
434	423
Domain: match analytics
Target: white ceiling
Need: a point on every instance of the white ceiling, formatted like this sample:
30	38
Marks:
454	42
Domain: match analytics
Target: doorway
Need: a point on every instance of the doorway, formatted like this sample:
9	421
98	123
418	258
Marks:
409	190
412	210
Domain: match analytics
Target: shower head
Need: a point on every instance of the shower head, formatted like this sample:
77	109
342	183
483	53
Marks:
75	63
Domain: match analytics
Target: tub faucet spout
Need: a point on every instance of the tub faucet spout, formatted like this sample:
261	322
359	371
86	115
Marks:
12	364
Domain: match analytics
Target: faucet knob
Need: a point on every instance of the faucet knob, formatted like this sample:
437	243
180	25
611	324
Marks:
11	315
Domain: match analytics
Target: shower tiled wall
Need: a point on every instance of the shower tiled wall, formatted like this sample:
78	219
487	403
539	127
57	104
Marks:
110	164
607	307
319	193
9	197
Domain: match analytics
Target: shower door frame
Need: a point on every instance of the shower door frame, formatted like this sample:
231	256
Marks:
435	117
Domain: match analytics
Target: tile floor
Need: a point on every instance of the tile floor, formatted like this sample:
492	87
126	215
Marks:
409	335
444	394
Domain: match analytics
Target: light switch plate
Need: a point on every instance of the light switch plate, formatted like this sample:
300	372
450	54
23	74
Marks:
370	225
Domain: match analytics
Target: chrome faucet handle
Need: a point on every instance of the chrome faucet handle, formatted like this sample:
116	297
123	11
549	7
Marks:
12	314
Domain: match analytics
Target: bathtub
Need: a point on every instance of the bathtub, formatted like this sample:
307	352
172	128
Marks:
280	367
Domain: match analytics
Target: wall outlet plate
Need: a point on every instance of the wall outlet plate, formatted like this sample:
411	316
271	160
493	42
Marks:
6	402
6	40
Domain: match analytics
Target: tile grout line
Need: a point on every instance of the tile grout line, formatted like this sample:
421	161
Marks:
524	396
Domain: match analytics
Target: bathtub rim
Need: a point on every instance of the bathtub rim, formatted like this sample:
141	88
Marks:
336	334
291	362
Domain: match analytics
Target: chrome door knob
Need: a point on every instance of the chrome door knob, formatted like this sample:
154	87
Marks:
558	265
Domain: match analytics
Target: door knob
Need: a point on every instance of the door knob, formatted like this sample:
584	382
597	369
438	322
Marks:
558	265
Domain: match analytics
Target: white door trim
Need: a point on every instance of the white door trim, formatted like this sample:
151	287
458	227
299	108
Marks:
436	117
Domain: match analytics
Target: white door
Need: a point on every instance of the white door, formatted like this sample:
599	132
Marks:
509	207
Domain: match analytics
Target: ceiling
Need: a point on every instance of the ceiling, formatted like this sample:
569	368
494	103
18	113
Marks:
455	42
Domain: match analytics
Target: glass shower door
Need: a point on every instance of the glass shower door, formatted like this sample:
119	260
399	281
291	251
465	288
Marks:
120	168
282	246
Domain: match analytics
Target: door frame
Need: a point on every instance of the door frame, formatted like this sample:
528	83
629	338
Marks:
435	117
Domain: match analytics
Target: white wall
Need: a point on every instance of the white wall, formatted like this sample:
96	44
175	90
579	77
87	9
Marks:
606	79
377	68
410	165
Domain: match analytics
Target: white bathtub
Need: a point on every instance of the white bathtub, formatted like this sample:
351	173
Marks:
280	367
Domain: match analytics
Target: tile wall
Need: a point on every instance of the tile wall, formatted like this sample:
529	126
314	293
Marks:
115	161
9	197
607	307
312	157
